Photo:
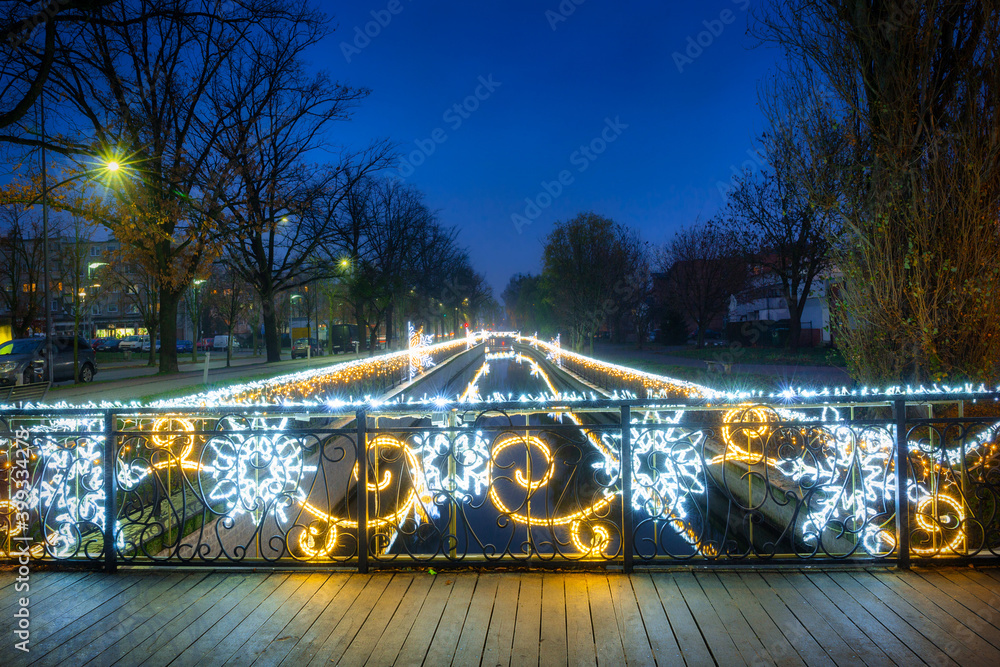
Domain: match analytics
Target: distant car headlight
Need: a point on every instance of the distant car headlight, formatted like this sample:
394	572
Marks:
7	366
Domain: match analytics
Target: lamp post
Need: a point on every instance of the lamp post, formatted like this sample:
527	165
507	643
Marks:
197	317
91	284
109	166
291	312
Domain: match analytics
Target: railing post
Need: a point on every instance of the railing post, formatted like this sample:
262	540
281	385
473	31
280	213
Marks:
902	462
110	494
626	470
362	458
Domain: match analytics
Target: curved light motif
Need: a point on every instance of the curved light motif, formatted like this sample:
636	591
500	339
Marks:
249	466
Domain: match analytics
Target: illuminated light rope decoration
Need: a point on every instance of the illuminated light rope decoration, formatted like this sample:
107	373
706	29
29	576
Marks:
418	344
874	453
68	490
471	393
11	529
418	504
656	385
681	480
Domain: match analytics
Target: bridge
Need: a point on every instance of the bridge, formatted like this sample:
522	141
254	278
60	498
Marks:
508	451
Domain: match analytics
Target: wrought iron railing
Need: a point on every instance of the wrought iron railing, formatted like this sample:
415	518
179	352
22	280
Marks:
523	484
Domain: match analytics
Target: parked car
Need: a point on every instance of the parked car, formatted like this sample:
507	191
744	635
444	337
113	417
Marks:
22	360
109	344
306	347
185	346
133	343
206	343
343	337
222	342
145	345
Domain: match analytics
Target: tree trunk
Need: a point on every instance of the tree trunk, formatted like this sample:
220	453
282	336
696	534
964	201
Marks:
272	341
362	325
794	329
168	331
229	346
388	327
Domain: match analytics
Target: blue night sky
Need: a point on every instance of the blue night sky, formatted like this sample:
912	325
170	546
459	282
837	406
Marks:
558	90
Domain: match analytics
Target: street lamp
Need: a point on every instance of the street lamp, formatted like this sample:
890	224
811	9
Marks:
197	317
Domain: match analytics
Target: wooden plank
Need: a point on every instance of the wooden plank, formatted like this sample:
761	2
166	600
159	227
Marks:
183	638
552	632
166	626
965	608
973	586
445	641
863	623
304	650
262	637
428	619
477	621
528	626
365	641
500	634
297	627
105	623
391	641
897	639
654	620
949	634
823	621
686	634
581	648
743	636
777	642
62	602
354	617
40	585
989	573
262	609
227	626
721	645
637	645
74	610
142	621
607	639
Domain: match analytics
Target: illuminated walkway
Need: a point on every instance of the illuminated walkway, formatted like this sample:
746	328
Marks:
942	616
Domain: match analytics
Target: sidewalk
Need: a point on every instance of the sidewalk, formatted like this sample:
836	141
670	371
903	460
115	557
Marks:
126	381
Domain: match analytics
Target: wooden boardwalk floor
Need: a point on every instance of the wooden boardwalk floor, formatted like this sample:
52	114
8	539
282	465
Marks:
835	617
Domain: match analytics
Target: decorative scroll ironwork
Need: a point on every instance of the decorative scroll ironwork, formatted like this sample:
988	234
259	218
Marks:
508	483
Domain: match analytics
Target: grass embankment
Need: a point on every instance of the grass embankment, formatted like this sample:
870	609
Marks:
805	356
718	381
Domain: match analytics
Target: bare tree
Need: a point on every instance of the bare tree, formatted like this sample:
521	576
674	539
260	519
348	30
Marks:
29	34
143	83
283	207
21	281
231	298
917	89
587	264
703	269
778	226
141	293
382	220
71	256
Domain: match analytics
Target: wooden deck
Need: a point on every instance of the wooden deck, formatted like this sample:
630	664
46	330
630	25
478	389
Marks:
836	617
